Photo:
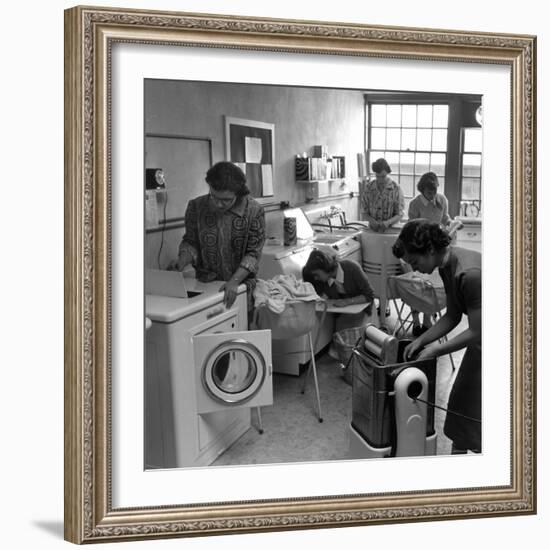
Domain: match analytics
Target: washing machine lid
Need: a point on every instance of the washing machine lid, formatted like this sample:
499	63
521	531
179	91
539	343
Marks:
233	366
167	309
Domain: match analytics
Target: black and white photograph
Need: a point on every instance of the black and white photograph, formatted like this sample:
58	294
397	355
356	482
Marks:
275	237
313	274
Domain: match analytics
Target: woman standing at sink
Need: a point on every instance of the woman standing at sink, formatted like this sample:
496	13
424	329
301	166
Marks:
434	207
381	200
224	233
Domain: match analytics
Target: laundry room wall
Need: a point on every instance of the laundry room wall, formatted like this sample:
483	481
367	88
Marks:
303	117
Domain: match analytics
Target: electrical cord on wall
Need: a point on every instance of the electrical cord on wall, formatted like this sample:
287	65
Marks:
163	228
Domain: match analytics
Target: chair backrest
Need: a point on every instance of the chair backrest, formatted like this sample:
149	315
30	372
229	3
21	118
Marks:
379	263
417	292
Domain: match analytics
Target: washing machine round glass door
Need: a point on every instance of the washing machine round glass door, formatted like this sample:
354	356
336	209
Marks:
233	372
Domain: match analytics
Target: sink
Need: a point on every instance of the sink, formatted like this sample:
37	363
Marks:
320	238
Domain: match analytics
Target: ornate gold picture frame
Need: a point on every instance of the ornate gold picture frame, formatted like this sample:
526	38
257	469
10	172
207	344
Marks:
90	35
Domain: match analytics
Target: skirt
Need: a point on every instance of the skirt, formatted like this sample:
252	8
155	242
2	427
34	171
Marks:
465	398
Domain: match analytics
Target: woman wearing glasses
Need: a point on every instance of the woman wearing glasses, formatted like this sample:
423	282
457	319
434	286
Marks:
224	233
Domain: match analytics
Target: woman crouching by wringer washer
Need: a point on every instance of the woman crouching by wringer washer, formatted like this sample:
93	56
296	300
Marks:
426	246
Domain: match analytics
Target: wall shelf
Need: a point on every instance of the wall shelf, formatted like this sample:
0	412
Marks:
328	188
322	181
328	198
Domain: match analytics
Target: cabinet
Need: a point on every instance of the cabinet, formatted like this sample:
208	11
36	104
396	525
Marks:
470	235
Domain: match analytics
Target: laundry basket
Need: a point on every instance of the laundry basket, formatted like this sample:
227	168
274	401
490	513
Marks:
421	292
298	317
343	343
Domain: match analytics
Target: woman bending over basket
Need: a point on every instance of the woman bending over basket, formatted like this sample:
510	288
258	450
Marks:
341	283
426	246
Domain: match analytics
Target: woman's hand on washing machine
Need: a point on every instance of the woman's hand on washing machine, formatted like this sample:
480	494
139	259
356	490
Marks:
229	289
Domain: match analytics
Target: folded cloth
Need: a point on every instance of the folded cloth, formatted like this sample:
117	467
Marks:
274	293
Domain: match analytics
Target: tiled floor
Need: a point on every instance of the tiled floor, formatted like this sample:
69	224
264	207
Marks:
292	432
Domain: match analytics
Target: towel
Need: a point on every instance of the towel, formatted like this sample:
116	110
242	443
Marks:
274	293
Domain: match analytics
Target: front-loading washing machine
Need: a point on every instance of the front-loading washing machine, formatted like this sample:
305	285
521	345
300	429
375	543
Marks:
232	370
204	372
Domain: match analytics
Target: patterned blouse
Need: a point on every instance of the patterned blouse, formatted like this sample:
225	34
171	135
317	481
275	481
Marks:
382	205
219	242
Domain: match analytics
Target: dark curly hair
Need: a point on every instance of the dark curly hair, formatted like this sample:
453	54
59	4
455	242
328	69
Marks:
379	165
420	236
318	260
226	176
427	181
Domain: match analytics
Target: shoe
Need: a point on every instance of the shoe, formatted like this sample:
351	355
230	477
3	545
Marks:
417	330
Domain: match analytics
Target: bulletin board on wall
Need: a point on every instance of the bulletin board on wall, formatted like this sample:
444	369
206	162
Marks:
250	145
184	161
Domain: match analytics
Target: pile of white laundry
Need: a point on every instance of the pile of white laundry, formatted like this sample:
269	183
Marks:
275	293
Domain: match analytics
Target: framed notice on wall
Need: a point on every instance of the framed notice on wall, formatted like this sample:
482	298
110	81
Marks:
250	145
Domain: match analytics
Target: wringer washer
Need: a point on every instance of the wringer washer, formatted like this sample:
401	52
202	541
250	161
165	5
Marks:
388	418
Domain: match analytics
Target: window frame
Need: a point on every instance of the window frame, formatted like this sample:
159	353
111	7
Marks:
407	99
463	201
456	103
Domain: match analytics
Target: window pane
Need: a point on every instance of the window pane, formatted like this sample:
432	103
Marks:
408	139
393	161
393	115
437	164
471	188
471	165
424	140
393	138
374	155
378	115
472	140
378	138
439	140
441	116
407	185
422	163
424	116
441	185
407	163
409	116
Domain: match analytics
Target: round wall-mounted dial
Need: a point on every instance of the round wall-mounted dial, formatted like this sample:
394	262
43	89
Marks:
479	114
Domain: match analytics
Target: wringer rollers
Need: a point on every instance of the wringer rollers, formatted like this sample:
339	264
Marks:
387	418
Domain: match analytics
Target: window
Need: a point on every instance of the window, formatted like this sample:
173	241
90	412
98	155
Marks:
470	194
412	138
